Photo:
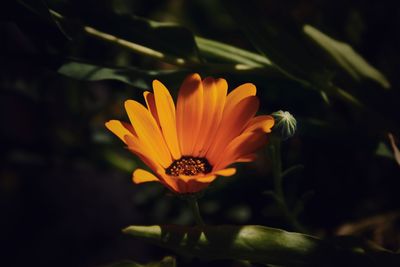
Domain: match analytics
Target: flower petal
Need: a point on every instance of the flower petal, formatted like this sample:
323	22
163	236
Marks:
166	113
189	113
247	158
120	129
151	105
199	183
232	125
209	104
174	183
263	123
208	178
226	172
148	132
142	176
238	94
145	154
242	145
214	90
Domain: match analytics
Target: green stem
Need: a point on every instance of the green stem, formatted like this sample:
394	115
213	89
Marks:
277	167
276	158
194	206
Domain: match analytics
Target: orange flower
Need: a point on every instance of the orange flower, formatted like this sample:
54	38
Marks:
187	147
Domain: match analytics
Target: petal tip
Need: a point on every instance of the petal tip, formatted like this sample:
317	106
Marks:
156	83
128	102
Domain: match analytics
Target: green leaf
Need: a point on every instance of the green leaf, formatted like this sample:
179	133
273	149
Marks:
283	42
138	78
344	56
258	244
168	38
277	40
229	53
179	41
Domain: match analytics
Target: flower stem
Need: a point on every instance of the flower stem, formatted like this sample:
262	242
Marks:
194	206
276	158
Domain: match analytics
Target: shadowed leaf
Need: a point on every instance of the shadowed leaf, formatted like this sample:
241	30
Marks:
344	56
229	53
138	78
281	40
259	244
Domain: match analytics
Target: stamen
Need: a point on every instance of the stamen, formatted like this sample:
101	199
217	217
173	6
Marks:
188	165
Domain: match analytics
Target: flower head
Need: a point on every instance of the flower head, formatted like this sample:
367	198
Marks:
189	145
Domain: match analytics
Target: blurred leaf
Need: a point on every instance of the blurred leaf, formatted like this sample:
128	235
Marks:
41	8
120	162
177	41
343	94
344	56
384	151
279	42
180	41
168	38
138	78
166	262
279	39
258	244
230	53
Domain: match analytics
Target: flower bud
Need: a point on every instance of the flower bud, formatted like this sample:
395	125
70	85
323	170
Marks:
285	124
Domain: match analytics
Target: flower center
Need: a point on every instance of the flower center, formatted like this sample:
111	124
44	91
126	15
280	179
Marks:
190	166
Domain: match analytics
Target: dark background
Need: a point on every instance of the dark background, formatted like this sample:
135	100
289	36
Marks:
65	181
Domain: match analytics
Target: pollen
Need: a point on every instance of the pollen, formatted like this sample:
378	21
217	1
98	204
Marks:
189	166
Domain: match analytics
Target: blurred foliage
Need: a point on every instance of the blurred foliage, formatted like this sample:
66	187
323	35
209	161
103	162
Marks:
68	65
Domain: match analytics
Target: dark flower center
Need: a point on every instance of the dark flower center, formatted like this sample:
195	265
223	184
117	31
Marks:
188	165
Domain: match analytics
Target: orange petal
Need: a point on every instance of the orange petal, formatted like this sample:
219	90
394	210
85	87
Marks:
263	123
174	183
232	125
199	183
148	132
120	129
145	154
238	94
247	158
242	145
226	172
208	178
210	103
166	113
151	105
214	90
189	112
141	176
